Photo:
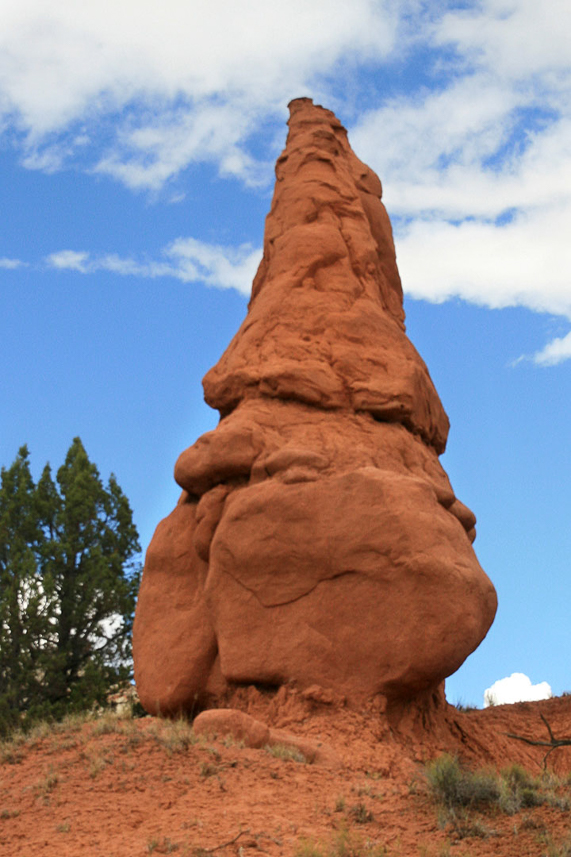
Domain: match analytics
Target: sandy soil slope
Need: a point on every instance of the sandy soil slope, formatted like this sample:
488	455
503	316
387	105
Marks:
127	788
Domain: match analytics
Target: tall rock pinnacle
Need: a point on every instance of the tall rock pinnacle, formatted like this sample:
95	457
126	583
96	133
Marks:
326	322
317	538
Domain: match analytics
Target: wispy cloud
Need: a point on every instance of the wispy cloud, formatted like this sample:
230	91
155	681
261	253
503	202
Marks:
177	82
225	267
473	150
185	259
11	264
554	352
69	260
148	156
525	262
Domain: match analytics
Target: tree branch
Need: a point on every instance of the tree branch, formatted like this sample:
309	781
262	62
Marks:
553	743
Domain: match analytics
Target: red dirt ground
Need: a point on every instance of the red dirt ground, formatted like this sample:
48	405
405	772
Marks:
114	788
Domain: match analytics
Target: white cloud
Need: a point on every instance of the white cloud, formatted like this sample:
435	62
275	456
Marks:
516	688
147	156
478	172
11	264
554	352
476	158
526	262
70	260
185	259
179	81
516	37
225	267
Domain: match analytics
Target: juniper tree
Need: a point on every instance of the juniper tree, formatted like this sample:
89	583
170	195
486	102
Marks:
68	581
21	620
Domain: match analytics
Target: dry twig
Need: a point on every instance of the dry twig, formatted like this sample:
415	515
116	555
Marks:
553	743
223	844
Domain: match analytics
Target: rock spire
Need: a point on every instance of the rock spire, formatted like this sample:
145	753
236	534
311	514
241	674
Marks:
317	538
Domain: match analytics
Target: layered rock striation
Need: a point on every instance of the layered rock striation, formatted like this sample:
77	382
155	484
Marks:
317	538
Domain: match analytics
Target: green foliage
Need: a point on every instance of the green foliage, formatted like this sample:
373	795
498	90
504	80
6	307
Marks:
454	786
68	583
458	791
519	790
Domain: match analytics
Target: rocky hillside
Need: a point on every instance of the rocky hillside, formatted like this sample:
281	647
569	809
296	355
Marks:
114	787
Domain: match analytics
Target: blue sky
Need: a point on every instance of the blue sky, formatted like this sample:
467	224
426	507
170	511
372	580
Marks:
136	161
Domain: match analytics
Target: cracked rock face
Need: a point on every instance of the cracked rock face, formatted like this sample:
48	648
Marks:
317	537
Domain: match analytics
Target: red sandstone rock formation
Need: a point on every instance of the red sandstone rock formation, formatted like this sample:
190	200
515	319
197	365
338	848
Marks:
317	538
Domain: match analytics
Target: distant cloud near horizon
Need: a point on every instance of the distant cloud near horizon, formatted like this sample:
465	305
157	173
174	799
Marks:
516	688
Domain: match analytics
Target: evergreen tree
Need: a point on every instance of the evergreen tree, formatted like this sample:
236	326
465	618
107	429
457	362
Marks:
21	620
68	583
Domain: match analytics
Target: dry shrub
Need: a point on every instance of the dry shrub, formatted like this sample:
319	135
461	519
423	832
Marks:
285	753
454	786
346	843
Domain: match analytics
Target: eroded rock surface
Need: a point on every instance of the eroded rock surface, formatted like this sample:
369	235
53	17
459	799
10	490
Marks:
318	538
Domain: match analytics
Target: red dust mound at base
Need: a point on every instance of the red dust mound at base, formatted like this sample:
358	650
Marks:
150	786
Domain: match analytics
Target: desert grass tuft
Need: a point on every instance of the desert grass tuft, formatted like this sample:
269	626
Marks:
162	845
285	753
230	741
458	791
519	790
454	786
47	783
346	843
175	736
551	848
110	722
361	814
208	770
97	764
9	813
14	745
